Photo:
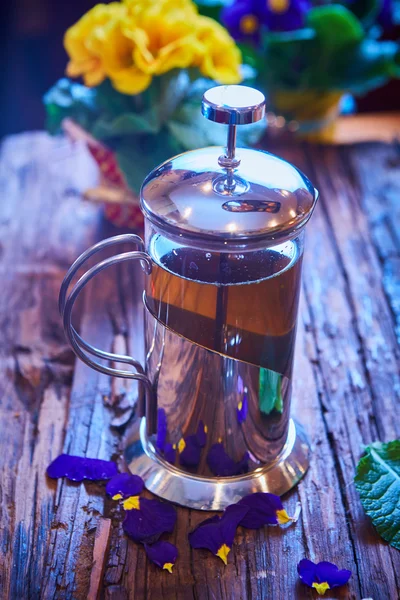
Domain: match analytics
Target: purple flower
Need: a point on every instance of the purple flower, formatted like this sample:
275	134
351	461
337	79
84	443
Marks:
78	468
283	15
201	434
170	453
217	533
242	21
145	520
124	485
242	409
264	509
222	465
189	451
322	576
162	429
162	554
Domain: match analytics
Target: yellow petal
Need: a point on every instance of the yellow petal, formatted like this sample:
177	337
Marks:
181	445
223	553
132	503
94	77
321	587
168	567
130	81
283	517
117	497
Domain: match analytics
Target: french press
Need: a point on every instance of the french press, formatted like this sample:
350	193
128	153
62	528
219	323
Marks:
222	255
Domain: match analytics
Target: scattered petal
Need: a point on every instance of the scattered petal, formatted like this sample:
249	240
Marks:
162	430
265	509
124	485
217	533
202	434
222	465
322	576
132	503
242	409
162	554
170	453
189	451
149	520
78	468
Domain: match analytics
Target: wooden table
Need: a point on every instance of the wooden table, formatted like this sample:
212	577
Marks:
60	540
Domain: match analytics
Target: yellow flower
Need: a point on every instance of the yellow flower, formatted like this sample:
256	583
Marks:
164	34
220	58
132	41
85	58
116	50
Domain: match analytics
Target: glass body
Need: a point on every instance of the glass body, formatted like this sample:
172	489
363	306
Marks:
241	304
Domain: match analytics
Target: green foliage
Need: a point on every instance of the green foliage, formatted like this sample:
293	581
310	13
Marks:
270	391
333	52
211	8
335	27
146	129
378	482
67	99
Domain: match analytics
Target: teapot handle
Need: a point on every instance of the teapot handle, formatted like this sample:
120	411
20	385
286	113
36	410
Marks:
147	401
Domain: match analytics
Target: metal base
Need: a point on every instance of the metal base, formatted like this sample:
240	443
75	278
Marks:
213	493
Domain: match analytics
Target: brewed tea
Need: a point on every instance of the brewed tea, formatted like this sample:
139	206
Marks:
241	305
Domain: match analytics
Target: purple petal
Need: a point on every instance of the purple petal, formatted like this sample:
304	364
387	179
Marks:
163	554
222	465
217	531
191	453
262	510
201	434
125	485
306	570
327	571
242	409
151	520
170	453
288	20
78	468
237	16
162	429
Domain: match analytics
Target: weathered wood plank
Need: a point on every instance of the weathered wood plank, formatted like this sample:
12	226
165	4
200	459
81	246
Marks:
346	391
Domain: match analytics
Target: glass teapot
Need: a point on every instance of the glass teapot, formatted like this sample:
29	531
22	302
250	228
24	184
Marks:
222	255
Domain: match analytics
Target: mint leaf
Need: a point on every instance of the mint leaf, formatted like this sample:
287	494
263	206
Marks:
377	481
270	394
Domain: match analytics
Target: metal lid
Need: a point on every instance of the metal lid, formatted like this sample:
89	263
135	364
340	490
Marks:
223	196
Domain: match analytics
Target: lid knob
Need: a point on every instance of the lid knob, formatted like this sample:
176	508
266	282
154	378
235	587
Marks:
233	105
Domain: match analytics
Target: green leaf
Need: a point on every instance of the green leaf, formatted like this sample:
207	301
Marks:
371	65
270	391
335	26
139	154
378	482
212	8
126	124
68	99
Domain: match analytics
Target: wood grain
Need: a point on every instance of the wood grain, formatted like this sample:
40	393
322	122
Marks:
346	389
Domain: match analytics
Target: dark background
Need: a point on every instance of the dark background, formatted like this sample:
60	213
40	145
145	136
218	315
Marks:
33	58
